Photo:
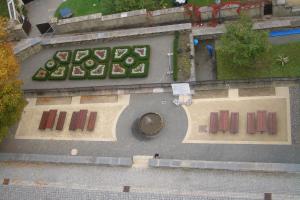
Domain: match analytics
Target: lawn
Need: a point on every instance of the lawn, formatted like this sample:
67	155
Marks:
106	7
3	8
266	67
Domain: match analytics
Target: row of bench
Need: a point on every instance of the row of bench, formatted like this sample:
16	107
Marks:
263	122
78	120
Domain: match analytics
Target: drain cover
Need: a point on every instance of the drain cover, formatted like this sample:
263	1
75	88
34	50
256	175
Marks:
5	181
126	188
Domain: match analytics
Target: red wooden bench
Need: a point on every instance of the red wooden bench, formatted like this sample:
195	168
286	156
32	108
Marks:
61	121
251	123
224	121
92	121
51	119
213	124
261	121
272	123
73	123
234	122
81	119
44	120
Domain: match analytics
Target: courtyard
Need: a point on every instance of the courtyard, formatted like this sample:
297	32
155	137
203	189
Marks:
180	137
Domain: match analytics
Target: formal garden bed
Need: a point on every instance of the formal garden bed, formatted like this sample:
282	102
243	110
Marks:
84	64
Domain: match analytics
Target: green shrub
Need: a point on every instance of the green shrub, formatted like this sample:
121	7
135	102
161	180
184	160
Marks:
71	77
59	78
148	51
175	56
107	59
55	57
36	78
122	58
139	75
84	58
114	76
103	76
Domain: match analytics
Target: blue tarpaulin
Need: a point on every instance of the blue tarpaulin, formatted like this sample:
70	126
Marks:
284	32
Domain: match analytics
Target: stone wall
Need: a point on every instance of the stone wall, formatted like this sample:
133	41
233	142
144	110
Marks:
282	8
139	18
15	31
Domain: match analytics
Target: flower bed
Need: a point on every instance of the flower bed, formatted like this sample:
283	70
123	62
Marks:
59	74
142	52
77	73
120	53
117	70
80	55
120	62
50	65
101	54
89	63
140	70
63	57
40	75
99	72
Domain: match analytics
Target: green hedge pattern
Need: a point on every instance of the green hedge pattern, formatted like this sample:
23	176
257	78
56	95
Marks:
107	62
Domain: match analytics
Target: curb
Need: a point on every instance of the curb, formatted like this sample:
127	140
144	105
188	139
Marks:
65	159
231	166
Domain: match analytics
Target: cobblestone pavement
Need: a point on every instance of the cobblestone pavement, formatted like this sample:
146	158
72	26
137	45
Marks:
168	143
159	64
45	181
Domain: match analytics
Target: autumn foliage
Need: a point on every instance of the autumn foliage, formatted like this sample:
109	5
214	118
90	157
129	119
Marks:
11	97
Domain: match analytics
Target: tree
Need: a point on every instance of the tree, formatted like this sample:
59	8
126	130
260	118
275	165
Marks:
241	46
12	101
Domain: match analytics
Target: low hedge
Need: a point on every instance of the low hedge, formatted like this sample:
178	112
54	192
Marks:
139	75
84	59
108	49
148	51
124	56
63	62
51	68
34	78
130	65
89	67
53	78
71	77
116	76
175	55
89	76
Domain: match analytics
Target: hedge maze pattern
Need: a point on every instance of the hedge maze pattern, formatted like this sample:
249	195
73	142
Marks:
98	63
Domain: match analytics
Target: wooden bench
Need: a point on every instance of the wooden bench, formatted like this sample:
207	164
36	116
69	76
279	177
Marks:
213	124
224	121
261	123
44	120
73	123
92	121
61	121
272	123
51	119
234	122
81	119
251	123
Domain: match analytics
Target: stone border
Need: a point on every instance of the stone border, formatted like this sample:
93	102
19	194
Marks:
231	166
66	159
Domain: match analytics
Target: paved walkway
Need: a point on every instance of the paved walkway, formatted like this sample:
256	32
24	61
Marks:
169	143
44	181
